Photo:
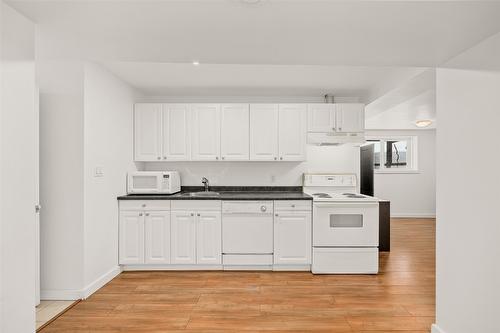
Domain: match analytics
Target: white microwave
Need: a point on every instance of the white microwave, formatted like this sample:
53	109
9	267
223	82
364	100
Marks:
153	182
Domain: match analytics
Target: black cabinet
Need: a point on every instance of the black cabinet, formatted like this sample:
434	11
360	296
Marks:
384	236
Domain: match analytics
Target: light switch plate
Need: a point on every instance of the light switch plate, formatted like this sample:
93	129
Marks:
99	171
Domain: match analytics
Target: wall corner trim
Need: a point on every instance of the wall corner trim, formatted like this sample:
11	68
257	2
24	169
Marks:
100	282
436	329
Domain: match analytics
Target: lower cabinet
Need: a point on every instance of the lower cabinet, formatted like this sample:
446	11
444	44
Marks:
144	237
183	237
196	238
292	238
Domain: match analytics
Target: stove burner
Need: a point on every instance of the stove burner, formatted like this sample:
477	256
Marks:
322	195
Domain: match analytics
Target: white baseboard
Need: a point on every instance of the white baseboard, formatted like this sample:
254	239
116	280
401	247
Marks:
100	282
76	294
436	329
413	215
145	267
292	268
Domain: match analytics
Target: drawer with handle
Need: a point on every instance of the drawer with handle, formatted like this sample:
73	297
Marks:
145	205
292	205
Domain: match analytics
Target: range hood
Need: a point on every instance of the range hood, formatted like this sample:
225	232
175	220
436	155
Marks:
334	138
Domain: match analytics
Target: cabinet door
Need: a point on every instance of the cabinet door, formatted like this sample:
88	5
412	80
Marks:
176	136
292	132
263	132
321	117
157	237
350	117
206	132
147	132
234	132
292	238
208	238
131	239
183	237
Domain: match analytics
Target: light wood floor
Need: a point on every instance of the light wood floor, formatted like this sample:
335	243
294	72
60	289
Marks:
400	298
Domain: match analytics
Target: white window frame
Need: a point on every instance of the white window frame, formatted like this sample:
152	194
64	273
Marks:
411	155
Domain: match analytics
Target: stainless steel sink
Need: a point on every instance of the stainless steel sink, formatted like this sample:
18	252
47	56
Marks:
202	194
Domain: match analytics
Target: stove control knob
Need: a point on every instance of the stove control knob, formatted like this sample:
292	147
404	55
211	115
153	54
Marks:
263	208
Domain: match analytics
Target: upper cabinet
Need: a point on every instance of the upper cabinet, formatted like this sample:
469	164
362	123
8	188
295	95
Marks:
234	132
175	132
292	132
148	132
321	117
239	132
338	117
264	132
205	132
350	117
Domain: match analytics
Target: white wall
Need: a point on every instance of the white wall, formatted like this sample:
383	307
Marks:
468	206
108	144
411	194
341	159
17	177
61	178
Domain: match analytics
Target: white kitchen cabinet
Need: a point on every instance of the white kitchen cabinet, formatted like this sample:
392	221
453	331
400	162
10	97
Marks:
292	238
292	132
147	131
183	237
157	237
321	118
205	132
264	132
234	132
350	117
176	144
131	237
208	238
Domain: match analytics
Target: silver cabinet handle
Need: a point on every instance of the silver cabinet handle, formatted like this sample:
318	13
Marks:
192	214
143	205
38	208
275	214
140	214
281	158
340	128
198	214
263	208
275	158
164	157
147	214
293	206
223	157
159	158
217	157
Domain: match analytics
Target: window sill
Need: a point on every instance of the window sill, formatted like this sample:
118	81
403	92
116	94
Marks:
410	171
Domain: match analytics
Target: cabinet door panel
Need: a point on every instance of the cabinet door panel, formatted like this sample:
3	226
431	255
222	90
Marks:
263	132
235	132
350	117
209	238
183	237
176	135
131	239
292	238
147	131
157	237
292	132
321	117
205	132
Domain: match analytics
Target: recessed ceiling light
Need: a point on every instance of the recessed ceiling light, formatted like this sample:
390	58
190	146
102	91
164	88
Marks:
196	63
423	123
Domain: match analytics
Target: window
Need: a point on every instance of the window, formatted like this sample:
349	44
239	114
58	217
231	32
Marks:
394	154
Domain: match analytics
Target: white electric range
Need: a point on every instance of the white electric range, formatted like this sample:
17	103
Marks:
345	225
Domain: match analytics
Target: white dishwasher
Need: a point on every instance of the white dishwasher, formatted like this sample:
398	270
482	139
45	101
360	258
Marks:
247	234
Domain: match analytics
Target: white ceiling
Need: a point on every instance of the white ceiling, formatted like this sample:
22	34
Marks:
281	32
259	80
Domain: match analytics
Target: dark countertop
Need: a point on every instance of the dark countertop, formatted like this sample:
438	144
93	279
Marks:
230	193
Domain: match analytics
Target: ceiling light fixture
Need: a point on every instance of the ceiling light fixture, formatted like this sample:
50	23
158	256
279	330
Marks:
196	63
423	123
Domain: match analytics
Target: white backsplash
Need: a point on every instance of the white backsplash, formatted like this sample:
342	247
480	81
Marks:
334	159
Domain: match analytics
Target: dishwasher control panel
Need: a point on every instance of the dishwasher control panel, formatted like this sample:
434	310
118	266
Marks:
247	207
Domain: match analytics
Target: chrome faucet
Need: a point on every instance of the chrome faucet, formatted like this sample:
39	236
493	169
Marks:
204	181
